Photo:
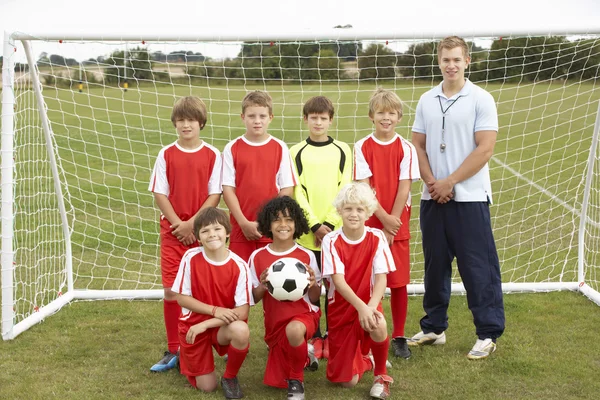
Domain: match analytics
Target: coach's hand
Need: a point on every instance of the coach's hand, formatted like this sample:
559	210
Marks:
226	315
194	331
441	190
250	230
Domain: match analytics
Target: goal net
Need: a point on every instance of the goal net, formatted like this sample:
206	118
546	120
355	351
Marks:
83	122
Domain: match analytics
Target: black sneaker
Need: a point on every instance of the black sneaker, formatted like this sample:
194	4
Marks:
231	388
295	390
401	347
169	361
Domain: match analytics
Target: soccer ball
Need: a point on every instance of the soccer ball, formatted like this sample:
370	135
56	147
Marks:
287	279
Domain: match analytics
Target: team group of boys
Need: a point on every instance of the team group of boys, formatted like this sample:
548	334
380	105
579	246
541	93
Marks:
348	221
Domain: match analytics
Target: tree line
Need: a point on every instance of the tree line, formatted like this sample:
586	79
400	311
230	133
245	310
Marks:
526	59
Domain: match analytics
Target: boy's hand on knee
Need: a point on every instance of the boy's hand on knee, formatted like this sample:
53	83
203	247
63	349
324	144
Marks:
367	319
194	331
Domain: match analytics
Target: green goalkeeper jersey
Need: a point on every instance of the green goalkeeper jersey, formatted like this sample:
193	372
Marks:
322	169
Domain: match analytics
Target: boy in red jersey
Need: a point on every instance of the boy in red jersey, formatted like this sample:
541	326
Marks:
214	291
355	261
186	179
389	164
288	325
256	168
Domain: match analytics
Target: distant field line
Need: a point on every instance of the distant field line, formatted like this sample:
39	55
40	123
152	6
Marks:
545	191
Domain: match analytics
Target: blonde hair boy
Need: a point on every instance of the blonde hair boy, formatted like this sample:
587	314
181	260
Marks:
357	193
385	100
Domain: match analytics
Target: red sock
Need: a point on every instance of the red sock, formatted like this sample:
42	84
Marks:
367	365
172	310
298	359
399	305
235	359
380	354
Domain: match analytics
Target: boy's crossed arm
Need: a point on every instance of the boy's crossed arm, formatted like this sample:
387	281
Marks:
221	315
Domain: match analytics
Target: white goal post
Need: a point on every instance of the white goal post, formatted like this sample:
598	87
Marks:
83	119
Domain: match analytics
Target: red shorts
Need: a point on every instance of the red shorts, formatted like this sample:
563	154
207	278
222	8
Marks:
245	249
347	348
401	255
348	345
278	361
197	359
171	252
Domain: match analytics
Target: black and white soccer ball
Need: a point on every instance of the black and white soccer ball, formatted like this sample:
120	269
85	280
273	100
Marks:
287	279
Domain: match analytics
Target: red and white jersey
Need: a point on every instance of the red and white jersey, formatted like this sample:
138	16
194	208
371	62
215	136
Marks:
359	261
224	284
258	171
385	164
277	314
186	177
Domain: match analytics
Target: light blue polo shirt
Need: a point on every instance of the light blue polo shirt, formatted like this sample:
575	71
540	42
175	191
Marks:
471	110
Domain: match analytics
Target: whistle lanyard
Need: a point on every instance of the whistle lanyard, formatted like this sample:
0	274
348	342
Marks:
443	144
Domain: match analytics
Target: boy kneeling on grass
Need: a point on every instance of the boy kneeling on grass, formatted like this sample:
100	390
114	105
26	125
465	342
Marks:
356	259
214	291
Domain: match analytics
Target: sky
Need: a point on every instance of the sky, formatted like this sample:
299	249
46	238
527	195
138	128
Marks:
231	18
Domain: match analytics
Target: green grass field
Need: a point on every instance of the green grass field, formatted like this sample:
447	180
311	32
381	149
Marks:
103	350
107	141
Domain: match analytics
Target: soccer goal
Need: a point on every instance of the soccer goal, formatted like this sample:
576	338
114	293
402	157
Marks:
83	119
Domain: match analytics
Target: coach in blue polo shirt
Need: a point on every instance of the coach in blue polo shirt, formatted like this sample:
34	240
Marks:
454	133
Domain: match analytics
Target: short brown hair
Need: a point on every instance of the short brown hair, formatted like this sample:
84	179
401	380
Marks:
452	42
257	98
211	215
189	107
318	105
385	100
